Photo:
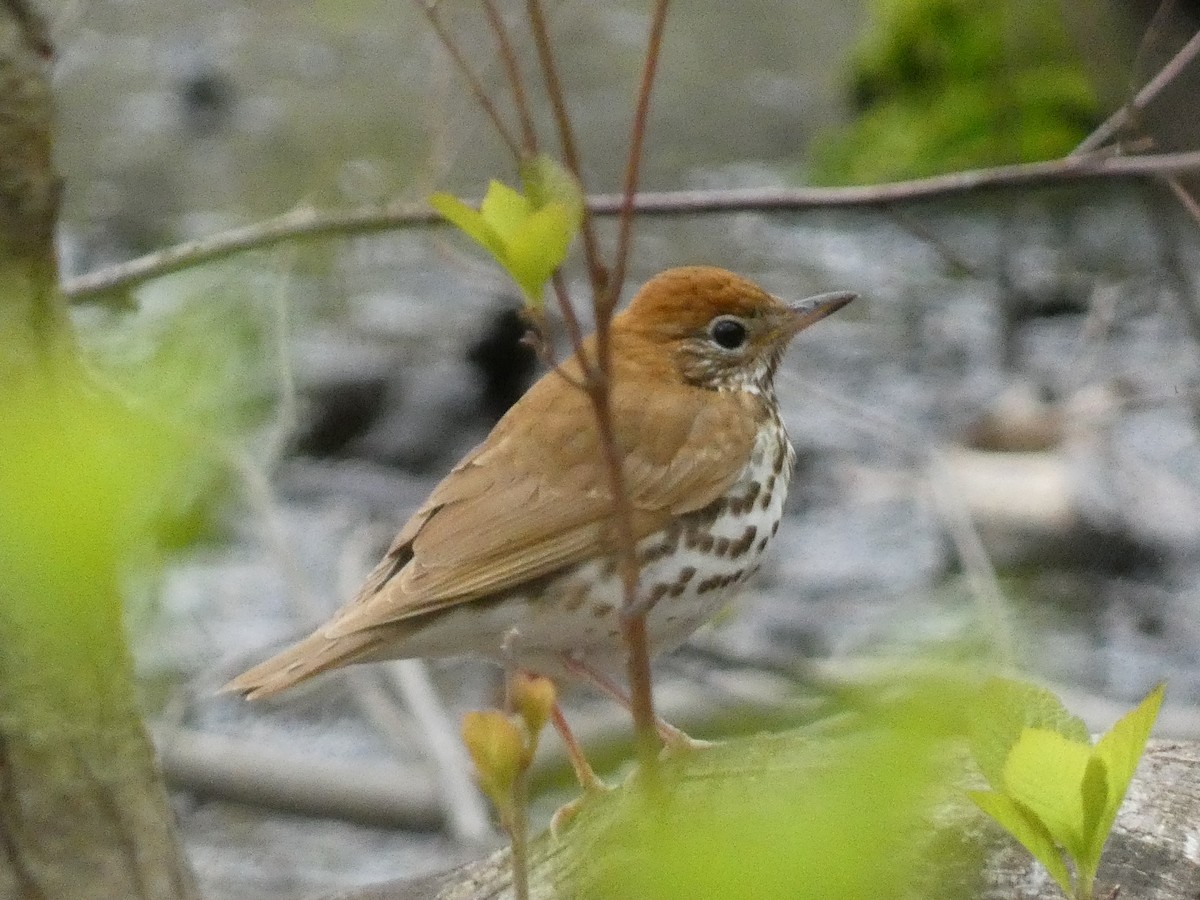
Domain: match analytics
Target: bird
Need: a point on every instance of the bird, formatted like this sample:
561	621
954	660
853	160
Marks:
514	555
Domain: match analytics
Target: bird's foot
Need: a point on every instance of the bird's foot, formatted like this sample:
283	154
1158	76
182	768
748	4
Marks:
565	814
676	741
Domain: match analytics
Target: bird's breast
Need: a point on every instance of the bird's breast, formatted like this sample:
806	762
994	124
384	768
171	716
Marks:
689	570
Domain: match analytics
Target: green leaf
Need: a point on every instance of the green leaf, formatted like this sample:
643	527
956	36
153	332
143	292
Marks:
1044	774
528	234
1027	829
469	221
1121	749
1004	710
504	209
1094	794
539	248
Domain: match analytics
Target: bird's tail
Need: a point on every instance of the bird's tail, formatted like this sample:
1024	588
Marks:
311	656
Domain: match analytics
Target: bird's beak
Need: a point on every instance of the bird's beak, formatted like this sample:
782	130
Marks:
814	309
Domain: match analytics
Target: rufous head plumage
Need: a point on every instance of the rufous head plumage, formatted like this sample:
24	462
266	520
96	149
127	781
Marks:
718	330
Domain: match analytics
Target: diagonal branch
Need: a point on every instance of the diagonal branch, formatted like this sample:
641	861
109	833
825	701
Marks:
515	82
476	86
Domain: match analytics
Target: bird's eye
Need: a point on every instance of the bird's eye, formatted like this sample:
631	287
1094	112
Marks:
727	332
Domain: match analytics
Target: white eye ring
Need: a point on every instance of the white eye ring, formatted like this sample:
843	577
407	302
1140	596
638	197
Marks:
728	332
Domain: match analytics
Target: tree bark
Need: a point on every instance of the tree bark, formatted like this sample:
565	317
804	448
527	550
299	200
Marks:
83	812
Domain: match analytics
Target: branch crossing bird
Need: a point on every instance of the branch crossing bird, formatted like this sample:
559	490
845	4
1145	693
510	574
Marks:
514	555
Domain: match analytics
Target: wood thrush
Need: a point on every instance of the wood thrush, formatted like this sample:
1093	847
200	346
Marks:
513	556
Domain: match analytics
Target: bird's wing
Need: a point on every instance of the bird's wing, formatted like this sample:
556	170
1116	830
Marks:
533	498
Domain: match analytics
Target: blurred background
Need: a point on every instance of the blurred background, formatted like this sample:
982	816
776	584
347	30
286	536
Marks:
997	443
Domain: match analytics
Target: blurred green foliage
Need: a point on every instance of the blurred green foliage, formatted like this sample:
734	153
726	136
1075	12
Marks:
941	85
871	802
82	485
108	456
202	354
841	816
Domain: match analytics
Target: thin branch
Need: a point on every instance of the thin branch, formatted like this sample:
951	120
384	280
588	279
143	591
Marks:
303	224
1124	116
298	224
597	272
604	299
921	230
536	338
515	82
990	602
515	818
633	162
1155	31
476	86
571	320
633	627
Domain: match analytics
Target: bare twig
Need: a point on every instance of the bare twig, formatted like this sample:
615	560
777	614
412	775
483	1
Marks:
515	818
976	564
597	273
571	319
306	223
515	82
1185	197
1155	32
430	9
920	229
536	338
633	627
1124	116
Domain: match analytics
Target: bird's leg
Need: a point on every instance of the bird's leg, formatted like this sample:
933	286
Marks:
588	779
586	775
673	738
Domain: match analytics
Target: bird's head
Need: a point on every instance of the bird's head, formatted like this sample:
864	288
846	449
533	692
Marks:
719	330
